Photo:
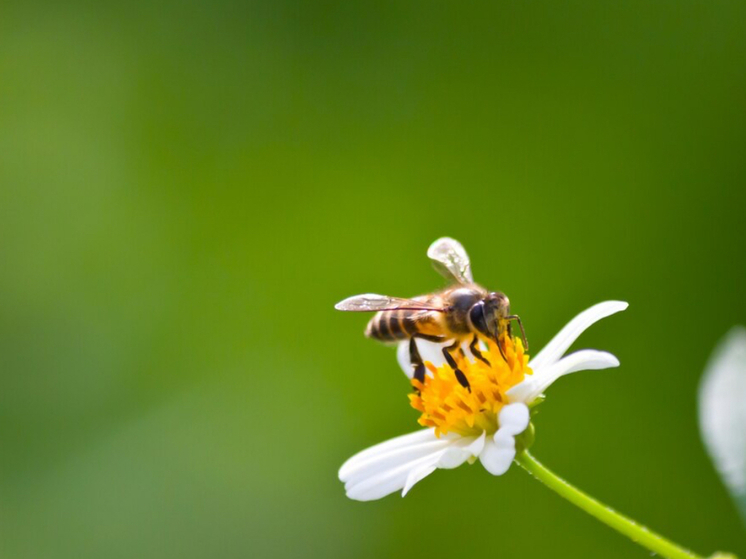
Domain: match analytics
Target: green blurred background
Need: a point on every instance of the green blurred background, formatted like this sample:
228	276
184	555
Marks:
186	189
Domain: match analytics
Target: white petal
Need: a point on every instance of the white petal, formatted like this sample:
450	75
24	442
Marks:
453	457
562	341
411	439
499	451
513	419
475	447
588	359
402	356
374	465
461	451
417	474
402	462
393	479
722	410
368	463
498	454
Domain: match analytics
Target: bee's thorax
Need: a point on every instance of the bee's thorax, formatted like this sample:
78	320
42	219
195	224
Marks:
460	302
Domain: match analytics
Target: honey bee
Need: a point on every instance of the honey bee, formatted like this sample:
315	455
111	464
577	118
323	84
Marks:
456	314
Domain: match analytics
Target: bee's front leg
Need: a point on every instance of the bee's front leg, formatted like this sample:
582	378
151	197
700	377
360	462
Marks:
414	354
460	376
523	332
474	347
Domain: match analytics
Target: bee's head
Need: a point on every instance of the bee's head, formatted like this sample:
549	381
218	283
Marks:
486	315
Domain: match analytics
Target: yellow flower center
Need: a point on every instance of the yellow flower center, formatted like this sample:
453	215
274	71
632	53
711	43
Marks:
447	406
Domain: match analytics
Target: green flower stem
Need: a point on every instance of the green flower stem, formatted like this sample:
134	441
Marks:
636	532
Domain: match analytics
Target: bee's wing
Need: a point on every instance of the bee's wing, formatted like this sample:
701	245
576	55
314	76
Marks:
451	260
372	302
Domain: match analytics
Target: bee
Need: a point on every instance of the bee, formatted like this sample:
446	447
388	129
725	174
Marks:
463	311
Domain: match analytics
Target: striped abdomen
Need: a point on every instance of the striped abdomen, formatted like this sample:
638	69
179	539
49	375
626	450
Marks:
392	326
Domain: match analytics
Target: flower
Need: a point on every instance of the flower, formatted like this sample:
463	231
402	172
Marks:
482	421
722	414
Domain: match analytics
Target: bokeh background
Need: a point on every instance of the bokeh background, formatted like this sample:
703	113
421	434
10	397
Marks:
186	189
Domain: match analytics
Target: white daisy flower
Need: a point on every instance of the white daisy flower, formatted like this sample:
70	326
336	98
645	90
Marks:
481	423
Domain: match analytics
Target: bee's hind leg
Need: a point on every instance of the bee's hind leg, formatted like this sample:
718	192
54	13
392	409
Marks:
414	357
460	376
414	354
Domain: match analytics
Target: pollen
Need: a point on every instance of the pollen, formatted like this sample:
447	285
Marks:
447	406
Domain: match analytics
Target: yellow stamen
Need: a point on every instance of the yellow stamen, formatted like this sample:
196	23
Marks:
447	406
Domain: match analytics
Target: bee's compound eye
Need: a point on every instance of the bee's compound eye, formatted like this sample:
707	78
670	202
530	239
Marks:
478	319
